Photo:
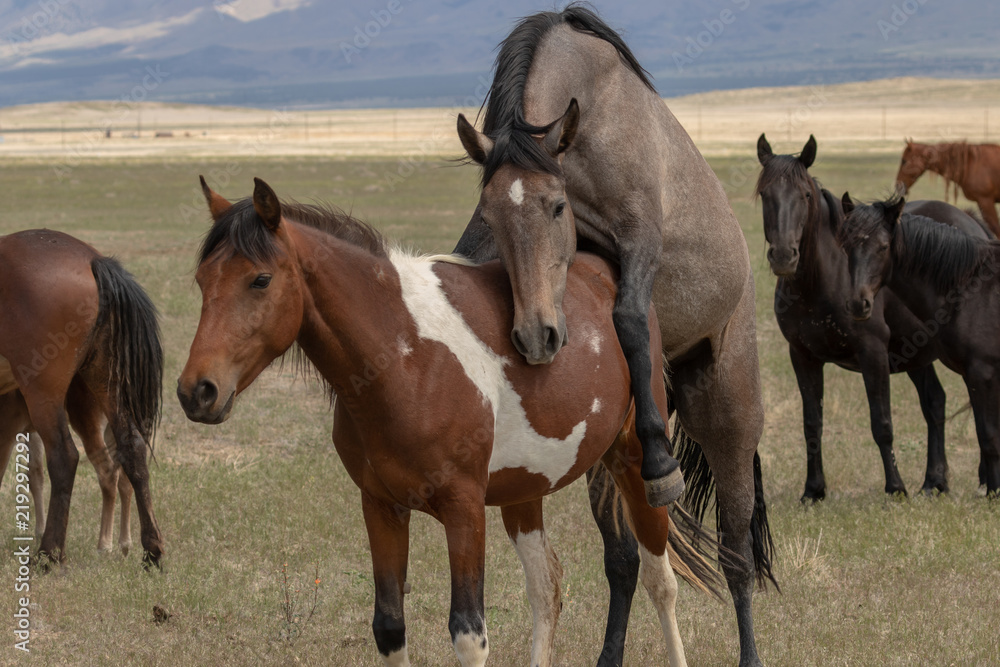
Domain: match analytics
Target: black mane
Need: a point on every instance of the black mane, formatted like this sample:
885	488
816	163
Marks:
242	229
504	120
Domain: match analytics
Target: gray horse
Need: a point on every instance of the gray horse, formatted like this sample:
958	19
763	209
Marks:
578	148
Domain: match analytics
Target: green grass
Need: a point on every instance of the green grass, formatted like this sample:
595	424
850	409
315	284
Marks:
866	580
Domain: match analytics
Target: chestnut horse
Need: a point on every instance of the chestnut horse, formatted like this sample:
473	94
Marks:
577	147
973	167
951	282
15	420
80	341
435	410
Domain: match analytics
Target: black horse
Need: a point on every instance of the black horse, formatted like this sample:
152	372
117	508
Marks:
951	282
801	222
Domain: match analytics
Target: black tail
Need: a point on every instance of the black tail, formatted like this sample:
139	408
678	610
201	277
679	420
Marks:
127	318
699	494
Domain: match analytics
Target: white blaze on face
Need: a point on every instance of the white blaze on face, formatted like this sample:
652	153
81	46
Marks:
517	192
515	443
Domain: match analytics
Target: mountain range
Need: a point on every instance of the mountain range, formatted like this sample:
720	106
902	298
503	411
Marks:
364	53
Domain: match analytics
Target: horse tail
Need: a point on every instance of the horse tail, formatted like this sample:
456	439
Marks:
128	320
699	494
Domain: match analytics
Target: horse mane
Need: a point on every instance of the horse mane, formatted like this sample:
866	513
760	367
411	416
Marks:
921	246
243	231
504	121
949	160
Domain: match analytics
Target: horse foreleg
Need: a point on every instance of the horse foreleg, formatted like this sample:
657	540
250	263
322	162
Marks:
621	561
809	375
389	537
651	526
14	420
932	404
542	574
987	206
875	371
36	479
660	471
464	521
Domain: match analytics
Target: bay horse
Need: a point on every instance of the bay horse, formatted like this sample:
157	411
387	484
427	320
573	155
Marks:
973	167
949	280
801	223
435	410
79	339
578	150
15	420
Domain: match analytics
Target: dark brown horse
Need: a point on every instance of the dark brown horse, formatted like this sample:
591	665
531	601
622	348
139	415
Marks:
16	428
951	282
79	339
435	409
801	222
973	167
578	148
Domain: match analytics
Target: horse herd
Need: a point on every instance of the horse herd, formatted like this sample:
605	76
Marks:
600	229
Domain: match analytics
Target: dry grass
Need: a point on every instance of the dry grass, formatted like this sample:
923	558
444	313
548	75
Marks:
866	580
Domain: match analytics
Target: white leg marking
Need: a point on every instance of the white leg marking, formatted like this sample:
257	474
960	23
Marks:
659	581
472	650
517	192
542	574
516	444
397	658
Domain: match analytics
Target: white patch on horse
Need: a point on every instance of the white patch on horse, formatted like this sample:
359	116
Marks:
595	407
517	192
515	443
542	574
404	348
472	650
660	583
397	658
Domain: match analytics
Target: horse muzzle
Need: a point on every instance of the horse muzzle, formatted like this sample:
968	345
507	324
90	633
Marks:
783	261
202	402
860	308
539	344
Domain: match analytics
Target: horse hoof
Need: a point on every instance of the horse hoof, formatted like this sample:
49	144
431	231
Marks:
664	490
407	588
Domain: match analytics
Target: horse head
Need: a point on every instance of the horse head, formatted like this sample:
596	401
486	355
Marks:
912	165
790	199
251	303
866	235
523	202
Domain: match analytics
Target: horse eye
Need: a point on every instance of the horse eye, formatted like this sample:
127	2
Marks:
261	281
809	195
560	207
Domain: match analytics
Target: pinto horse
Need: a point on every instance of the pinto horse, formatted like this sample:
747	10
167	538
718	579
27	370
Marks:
801	222
973	167
15	420
453	420
577	148
951	282
80	341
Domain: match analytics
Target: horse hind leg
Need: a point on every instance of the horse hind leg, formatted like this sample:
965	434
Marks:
124	496
651	528
542	574
88	421
621	561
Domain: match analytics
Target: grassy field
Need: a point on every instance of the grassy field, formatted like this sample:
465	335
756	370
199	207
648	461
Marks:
866	580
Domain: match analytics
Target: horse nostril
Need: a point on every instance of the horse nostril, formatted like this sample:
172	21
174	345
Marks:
515	338
205	393
552	341
866	304
795	253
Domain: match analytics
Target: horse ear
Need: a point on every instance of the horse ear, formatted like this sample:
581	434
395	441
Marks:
563	131
266	204
847	203
894	209
764	152
476	144
808	154
217	204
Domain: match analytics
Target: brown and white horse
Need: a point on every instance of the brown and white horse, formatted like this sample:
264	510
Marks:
436	410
